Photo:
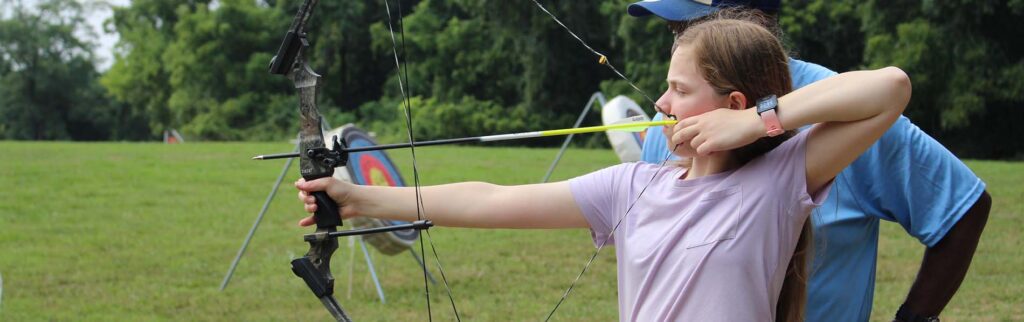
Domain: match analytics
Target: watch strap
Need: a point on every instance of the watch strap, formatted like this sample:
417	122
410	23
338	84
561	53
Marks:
766	108
771	122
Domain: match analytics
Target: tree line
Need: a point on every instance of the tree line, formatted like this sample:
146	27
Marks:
474	67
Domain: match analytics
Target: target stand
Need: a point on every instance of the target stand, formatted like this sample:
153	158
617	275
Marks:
374	168
364	168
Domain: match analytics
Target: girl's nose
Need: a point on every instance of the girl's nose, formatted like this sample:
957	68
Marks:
661	106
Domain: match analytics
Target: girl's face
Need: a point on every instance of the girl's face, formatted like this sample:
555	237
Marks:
688	93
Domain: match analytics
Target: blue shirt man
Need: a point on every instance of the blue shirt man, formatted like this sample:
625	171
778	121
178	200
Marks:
907	177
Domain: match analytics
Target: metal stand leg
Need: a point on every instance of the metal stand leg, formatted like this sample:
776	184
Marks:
351	264
252	231
259	218
596	96
420	261
373	271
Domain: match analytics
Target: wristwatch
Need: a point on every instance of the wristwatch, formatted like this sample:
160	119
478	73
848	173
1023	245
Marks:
766	108
904	315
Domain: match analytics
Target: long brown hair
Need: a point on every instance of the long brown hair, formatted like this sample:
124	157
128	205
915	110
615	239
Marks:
739	55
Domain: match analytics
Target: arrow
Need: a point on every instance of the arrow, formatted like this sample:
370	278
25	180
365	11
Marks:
626	125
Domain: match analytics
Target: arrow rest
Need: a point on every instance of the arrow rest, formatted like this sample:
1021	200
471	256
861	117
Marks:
336	156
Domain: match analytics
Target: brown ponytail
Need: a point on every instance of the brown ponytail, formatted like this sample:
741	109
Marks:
793	297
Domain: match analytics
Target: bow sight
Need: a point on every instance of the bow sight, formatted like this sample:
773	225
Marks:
317	161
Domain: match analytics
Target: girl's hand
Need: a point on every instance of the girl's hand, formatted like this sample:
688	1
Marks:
337	190
681	149
721	129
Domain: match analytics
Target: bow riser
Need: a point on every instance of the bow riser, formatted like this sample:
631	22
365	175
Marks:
315	161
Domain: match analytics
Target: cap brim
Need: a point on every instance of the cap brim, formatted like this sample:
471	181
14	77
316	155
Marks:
674	10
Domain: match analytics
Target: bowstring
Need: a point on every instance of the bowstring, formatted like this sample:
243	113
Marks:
603	60
610	235
437	259
403	83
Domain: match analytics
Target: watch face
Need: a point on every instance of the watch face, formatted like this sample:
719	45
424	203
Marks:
766	103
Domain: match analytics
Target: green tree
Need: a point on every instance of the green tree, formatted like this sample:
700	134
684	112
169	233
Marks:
500	53
217	65
139	79
827	32
964	57
641	48
202	67
352	71
48	88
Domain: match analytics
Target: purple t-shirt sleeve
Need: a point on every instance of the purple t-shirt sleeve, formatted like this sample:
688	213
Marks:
785	167
600	195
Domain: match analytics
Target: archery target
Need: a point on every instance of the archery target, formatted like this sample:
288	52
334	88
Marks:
373	168
627	145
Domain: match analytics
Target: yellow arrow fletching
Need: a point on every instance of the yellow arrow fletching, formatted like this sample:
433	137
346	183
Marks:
625	127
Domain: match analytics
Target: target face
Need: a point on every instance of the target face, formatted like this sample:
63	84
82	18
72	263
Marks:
638	136
374	168
627	145
371	168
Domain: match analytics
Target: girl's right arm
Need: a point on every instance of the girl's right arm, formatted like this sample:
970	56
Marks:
466	204
850	112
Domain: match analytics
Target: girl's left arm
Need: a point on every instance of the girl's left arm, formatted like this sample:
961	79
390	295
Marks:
481	204
464	204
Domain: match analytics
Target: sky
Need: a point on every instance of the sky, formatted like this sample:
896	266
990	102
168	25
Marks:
105	42
96	12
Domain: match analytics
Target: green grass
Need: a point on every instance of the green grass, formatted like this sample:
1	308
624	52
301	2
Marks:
116	232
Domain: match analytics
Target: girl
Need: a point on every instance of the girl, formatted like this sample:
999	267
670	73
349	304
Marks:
721	238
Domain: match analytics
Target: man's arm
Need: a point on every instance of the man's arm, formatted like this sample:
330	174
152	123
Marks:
945	265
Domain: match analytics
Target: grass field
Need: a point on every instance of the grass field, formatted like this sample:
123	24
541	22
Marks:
145	232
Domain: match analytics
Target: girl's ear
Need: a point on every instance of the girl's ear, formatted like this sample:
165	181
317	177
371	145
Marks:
737	101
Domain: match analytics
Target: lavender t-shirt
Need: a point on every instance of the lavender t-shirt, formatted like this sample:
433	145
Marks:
713	248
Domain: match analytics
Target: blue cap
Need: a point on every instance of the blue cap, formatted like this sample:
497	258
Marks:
682	10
